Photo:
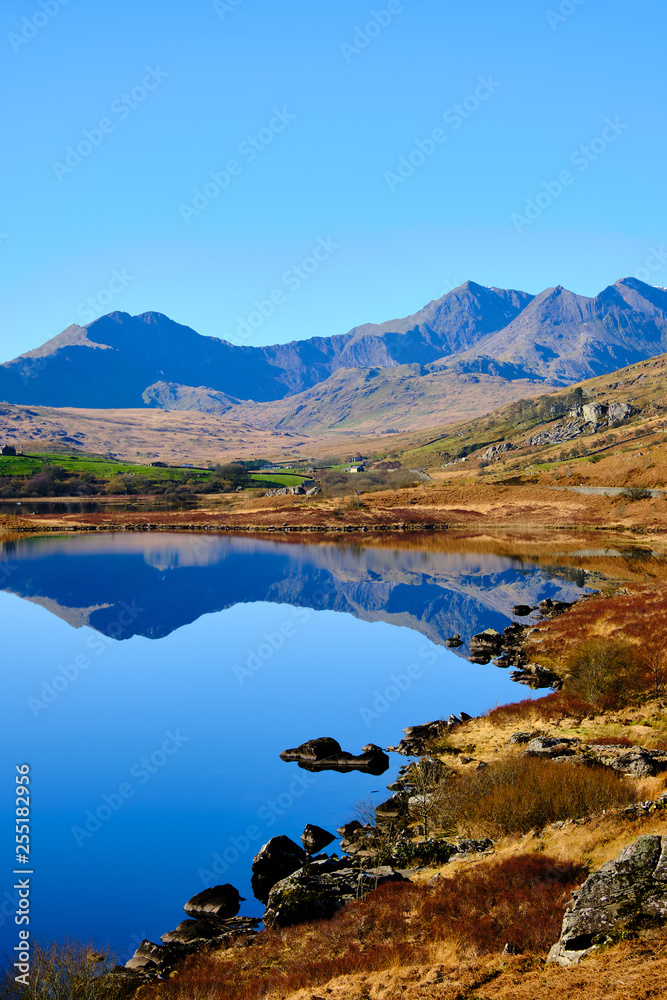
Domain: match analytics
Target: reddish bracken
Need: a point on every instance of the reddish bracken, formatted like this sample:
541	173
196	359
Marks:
517	902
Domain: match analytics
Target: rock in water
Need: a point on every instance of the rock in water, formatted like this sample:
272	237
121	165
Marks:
221	901
315	839
325	754
313	750
275	861
621	896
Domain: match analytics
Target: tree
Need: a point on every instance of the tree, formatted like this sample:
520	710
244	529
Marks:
426	777
602	669
656	672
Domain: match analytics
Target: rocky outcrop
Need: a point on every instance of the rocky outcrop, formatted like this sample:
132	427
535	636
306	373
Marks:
289	491
417	738
221	901
277	859
315	839
624	895
196	933
633	761
496	450
557	434
326	754
636	762
151	960
318	890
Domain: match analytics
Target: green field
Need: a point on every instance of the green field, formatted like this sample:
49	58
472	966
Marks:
104	468
275	479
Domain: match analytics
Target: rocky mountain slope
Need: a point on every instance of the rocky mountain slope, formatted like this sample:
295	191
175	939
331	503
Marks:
120	361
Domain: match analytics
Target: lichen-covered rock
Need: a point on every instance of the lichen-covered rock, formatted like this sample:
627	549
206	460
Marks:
550	746
634	761
622	896
319	889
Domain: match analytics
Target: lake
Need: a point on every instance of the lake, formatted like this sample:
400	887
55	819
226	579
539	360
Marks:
152	681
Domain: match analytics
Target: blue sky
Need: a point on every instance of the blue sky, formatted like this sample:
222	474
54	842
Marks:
338	96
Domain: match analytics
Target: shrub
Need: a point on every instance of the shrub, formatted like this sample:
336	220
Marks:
521	793
517	902
426	852
64	971
559	705
604	672
636	493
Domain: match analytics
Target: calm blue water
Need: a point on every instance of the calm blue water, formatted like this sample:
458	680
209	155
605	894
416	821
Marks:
152	681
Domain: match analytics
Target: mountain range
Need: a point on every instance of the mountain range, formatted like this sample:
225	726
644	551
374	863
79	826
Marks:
501	342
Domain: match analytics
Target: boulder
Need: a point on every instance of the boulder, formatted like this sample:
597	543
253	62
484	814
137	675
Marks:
313	750
348	829
520	738
315	839
417	738
621	897
277	859
550	607
190	932
536	677
470	846
619	411
549	746
221	901
149	957
454	641
487	642
325	754
191	935
318	890
634	761
393	808
594	412
521	611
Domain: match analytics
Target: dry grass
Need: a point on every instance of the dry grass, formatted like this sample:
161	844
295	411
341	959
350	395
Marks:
518	794
625	972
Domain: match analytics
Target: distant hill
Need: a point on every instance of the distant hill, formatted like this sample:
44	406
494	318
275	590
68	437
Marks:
469	351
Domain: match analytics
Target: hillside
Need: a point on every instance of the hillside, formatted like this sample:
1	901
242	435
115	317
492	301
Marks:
360	400
587	431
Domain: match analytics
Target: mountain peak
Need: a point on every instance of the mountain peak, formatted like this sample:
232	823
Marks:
557	335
